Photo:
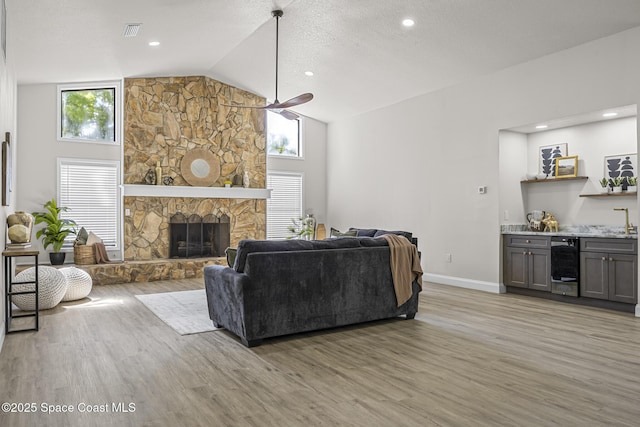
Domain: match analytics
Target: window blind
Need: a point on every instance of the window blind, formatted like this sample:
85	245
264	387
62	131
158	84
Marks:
285	203
90	190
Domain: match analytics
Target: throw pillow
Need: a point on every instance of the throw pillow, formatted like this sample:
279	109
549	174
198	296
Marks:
364	232
93	238
231	256
399	233
82	237
338	233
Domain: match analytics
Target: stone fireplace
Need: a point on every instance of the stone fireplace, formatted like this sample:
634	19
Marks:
165	118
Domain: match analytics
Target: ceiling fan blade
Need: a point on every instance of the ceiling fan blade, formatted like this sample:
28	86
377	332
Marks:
298	100
255	107
289	115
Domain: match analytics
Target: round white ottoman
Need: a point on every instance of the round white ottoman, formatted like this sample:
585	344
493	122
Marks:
78	283
52	286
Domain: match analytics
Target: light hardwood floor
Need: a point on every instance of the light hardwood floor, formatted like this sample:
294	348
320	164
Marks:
469	359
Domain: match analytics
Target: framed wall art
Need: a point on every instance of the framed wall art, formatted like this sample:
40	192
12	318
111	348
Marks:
547	157
566	167
7	168
621	166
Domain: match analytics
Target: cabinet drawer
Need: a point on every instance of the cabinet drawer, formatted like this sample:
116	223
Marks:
623	246
528	241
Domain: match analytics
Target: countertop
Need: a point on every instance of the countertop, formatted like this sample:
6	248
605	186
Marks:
572	231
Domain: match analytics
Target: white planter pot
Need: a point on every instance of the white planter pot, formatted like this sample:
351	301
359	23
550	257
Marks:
605	190
617	189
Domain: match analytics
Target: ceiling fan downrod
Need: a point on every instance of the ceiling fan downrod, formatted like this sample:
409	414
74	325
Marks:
277	14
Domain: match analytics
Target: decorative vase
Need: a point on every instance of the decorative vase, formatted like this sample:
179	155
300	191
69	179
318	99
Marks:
310	224
158	174
245	179
57	258
19	226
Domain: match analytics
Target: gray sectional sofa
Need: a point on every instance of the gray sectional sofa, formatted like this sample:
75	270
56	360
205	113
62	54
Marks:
284	287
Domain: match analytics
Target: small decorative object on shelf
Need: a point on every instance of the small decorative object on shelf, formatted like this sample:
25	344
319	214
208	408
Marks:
566	167
617	184
150	177
237	180
167	180
632	184
604	183
19	226
245	179
158	174
227	184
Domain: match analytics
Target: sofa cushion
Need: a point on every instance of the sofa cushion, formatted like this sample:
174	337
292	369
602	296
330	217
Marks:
231	256
368	242
406	234
245	247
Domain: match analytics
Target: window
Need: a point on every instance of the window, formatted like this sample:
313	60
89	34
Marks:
89	188
89	113
285	203
283	136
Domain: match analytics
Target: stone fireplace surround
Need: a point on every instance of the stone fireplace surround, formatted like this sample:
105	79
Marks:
164	118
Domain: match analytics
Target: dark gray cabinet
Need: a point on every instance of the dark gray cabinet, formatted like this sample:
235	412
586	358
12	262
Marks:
527	262
609	270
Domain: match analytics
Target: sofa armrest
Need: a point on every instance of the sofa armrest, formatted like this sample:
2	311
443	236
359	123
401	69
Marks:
225	297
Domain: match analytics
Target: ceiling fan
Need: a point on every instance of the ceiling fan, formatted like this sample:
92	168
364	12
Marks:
276	106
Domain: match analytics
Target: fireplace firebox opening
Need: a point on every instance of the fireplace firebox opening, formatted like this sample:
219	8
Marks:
197	237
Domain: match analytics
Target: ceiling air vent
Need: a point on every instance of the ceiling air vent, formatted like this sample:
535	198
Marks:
131	30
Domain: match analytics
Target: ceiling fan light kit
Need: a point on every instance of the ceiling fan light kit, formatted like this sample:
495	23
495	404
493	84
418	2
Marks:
276	106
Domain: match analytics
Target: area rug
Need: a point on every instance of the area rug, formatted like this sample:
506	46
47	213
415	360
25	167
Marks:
186	312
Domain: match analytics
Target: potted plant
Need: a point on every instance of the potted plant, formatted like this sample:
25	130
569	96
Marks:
55	231
617	184
604	182
302	228
632	184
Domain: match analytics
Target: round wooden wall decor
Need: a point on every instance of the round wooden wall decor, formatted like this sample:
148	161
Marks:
200	167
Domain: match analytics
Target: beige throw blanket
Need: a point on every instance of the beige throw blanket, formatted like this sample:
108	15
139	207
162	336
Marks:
405	266
100	253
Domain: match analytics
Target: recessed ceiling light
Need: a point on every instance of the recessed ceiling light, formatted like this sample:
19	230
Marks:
408	22
154	43
308	73
609	114
542	126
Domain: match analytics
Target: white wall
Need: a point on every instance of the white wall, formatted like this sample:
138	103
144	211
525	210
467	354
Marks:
7	124
39	149
313	166
591	143
513	168
416	165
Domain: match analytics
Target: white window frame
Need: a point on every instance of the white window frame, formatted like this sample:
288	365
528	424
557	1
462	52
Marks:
68	245
302	196
301	150
117	110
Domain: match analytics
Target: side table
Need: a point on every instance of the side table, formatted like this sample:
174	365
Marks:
8	256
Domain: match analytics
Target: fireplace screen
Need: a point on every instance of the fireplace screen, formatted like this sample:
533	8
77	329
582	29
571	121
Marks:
194	236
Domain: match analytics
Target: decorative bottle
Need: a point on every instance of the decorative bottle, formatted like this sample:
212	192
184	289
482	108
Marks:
158	174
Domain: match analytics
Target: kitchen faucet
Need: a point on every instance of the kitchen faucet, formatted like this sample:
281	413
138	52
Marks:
627	227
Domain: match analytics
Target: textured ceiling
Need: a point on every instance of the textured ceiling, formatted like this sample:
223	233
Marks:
362	57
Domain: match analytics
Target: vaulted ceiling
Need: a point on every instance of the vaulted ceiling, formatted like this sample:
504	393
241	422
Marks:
361	56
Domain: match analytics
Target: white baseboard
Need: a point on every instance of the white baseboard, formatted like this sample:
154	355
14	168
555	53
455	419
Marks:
637	310
496	288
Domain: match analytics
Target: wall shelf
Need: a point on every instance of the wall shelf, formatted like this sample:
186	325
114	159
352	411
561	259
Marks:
142	190
547	180
624	193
